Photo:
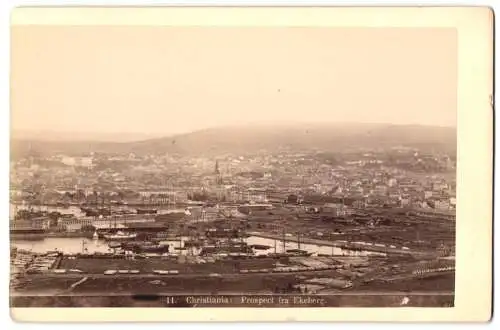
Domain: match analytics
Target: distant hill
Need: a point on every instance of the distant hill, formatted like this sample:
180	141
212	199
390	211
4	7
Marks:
331	137
80	136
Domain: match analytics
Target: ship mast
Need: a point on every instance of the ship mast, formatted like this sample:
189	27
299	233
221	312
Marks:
284	241
83	246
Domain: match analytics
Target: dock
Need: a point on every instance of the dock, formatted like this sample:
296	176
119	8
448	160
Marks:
347	246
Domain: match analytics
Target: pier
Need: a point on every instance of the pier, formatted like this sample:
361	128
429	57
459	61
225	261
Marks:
347	246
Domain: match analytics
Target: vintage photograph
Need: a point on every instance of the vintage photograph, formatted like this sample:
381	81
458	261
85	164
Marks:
163	166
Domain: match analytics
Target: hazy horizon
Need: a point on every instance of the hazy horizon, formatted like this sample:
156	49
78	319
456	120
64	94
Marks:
161	81
48	135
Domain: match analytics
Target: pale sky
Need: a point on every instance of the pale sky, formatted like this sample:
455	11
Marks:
163	80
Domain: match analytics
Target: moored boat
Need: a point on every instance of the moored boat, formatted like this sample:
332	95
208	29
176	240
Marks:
120	236
115	245
154	249
299	252
146	211
193	243
260	247
95	212
145	247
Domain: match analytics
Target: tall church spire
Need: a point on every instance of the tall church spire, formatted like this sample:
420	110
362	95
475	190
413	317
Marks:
217	173
217	167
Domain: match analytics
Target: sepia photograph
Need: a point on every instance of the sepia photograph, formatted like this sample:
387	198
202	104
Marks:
209	166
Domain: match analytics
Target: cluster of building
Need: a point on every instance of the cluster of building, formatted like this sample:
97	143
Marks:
357	180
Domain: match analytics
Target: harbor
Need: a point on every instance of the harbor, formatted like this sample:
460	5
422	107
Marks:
225	260
73	245
78	251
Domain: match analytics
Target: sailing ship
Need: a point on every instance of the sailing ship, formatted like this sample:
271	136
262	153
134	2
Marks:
145	247
194	243
298	252
147	211
95	212
115	245
260	247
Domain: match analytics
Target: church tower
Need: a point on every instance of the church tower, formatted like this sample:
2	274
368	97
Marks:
218	175
217	171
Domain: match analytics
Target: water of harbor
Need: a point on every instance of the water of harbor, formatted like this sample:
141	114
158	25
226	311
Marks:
83	245
73	245
77	212
73	210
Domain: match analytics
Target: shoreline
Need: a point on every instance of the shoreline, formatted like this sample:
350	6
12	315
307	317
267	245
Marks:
346	246
303	240
41	237
50	293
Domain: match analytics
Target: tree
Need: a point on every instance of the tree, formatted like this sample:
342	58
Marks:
292	199
201	197
80	194
68	196
88	228
54	216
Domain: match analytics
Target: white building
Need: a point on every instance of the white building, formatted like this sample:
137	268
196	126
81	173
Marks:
392	182
438	186
77	161
442	204
337	210
380	190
